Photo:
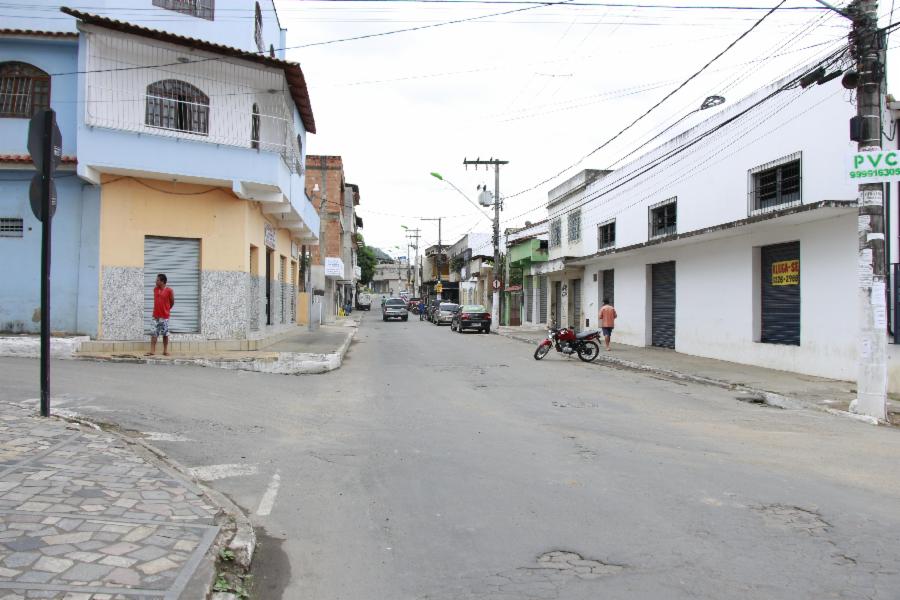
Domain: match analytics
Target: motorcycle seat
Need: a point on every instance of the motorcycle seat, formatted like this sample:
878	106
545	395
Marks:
585	334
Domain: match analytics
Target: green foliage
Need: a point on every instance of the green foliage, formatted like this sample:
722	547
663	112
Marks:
366	260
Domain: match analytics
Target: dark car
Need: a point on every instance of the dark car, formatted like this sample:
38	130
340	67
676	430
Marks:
394	308
471	316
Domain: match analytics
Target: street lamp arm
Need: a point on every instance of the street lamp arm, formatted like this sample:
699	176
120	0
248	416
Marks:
843	13
461	193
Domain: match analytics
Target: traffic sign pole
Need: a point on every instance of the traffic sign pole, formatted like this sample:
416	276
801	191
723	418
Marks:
45	147
46	220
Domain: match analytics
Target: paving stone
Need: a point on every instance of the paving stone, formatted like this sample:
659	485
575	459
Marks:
87	572
57	550
53	565
148	553
157	566
24	544
120	548
123	576
20	559
34	577
69	538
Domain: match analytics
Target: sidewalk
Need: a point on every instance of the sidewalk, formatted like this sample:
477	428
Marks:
779	388
84	517
302	352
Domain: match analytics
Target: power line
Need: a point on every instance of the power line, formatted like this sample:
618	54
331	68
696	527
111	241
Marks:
643	169
655	106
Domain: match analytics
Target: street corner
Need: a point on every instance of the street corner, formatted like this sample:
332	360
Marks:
86	513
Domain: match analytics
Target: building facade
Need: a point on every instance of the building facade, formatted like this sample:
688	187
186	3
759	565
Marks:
736	240
183	161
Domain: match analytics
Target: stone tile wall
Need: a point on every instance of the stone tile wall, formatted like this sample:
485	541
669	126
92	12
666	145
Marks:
122	303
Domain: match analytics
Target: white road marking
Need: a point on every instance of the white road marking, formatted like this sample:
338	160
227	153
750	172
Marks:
215	472
268	500
160	436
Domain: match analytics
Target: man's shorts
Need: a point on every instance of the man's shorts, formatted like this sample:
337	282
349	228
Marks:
160	328
607	331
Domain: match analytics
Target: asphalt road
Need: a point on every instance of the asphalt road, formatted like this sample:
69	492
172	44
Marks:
441	466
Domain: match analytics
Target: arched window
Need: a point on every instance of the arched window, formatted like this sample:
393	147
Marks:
24	90
177	105
254	127
257	29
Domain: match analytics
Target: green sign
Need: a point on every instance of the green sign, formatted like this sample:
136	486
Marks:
874	167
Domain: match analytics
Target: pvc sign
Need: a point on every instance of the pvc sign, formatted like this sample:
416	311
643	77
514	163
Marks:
786	272
874	167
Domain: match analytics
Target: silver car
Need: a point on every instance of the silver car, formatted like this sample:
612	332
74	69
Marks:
394	308
444	313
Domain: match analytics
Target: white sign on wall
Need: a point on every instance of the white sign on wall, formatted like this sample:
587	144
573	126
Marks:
295	249
334	267
270	236
874	167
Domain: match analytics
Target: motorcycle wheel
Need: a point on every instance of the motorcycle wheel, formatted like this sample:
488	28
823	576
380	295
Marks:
588	351
542	351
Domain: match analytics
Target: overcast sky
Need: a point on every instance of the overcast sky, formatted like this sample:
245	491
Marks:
539	88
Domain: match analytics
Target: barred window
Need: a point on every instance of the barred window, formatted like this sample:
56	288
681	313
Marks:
257	29
574	226
177	105
606	235
204	9
11	228
776	185
556	233
664	218
254	127
24	90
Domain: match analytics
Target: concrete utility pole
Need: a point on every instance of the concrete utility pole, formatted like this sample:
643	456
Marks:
413	234
440	256
866	42
495	306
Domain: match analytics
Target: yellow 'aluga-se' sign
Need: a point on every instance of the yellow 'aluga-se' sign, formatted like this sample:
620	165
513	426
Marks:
874	167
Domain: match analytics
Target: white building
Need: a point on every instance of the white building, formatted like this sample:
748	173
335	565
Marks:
736	240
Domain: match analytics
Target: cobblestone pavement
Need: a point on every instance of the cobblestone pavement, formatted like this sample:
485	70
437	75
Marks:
83	517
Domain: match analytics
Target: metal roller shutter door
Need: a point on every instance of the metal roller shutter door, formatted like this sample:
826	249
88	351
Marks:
609	286
576	302
529	299
780	307
663	315
543	285
179	259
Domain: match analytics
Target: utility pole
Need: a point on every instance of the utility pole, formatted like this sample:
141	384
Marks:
440	256
413	234
495	306
867	46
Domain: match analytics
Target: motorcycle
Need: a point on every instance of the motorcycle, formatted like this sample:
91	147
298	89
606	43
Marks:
566	341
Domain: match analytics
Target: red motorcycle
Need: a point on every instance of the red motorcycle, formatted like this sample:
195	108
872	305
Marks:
568	342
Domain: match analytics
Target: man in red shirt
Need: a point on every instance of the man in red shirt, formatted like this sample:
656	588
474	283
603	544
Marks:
607	320
163	301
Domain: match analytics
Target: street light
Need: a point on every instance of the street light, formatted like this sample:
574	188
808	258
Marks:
708	102
461	193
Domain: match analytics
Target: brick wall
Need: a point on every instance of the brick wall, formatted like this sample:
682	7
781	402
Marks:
328	173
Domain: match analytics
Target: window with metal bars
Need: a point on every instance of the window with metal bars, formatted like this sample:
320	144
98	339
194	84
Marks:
606	235
775	186
205	9
254	127
664	218
24	90
574	225
257	29
11	227
177	105
556	233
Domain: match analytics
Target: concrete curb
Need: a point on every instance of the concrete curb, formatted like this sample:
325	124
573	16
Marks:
770	398
277	363
22	346
239	530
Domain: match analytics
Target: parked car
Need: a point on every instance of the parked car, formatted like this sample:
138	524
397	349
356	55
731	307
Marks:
394	308
430	308
471	316
363	301
443	314
411	303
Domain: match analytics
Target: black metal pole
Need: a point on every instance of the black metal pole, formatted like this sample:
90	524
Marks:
46	173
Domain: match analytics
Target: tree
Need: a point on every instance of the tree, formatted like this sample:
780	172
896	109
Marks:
366	260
